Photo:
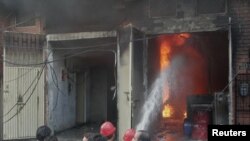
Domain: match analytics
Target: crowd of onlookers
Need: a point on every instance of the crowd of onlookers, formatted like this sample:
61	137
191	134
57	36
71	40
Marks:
107	133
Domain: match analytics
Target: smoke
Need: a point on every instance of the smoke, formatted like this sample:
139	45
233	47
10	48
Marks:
25	5
82	15
76	12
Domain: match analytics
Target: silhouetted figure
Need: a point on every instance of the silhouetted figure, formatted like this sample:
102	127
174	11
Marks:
42	132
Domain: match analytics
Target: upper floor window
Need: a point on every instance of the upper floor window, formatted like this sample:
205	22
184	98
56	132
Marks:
25	19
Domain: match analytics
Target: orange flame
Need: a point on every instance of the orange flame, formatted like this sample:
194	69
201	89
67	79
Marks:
164	63
180	39
167	111
185	115
164	55
167	48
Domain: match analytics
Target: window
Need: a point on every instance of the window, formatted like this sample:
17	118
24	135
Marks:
25	19
243	90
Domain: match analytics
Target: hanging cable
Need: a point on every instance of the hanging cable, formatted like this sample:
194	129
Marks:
33	81
20	76
33	90
26	91
53	73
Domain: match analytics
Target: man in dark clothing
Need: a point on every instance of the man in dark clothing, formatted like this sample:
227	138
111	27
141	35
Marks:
42	132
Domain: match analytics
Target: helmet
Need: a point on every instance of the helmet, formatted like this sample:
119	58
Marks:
129	135
107	129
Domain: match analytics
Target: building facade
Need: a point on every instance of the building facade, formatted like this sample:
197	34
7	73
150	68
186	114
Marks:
106	53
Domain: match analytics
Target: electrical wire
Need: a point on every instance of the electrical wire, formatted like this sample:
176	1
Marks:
41	63
33	90
56	85
230	81
85	47
80	53
91	46
53	73
69	57
20	76
33	81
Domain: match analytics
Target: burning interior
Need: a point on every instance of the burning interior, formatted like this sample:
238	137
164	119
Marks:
195	66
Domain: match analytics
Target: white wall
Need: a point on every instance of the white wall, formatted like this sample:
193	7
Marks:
61	108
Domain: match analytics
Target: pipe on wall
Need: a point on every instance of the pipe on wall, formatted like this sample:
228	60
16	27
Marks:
231	108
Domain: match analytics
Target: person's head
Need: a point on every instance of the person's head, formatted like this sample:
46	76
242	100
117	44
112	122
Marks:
97	137
108	130
141	135
42	132
129	135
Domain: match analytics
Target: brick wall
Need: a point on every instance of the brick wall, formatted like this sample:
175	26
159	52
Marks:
239	11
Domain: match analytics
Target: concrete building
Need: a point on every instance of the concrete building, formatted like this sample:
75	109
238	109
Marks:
69	63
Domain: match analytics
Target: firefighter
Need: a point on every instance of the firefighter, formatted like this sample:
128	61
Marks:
108	130
129	135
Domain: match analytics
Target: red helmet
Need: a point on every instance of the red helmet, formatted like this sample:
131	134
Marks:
107	129
129	135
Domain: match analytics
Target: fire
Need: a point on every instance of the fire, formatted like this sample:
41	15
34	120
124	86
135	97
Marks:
167	111
185	114
180	39
164	63
169	45
164	55
166	45
184	35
